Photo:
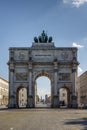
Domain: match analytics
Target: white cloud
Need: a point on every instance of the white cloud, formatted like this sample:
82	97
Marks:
66	1
77	45
75	3
78	3
80	70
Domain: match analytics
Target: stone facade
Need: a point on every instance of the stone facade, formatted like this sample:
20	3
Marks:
42	59
4	88
82	89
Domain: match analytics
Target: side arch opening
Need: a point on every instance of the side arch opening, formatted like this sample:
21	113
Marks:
21	97
64	97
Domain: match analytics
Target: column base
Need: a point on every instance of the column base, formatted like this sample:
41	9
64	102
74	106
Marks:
74	102
55	102
30	102
11	103
12	106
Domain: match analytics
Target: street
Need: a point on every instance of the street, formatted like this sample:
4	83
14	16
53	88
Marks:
43	119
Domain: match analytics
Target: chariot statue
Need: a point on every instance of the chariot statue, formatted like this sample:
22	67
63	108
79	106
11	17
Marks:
43	38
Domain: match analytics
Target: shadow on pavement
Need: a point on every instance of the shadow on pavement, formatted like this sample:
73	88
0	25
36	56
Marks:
81	121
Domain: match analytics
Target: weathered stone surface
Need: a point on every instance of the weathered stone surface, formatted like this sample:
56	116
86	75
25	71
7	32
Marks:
42	59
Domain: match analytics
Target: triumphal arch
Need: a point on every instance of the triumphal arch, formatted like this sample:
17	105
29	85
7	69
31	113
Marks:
26	64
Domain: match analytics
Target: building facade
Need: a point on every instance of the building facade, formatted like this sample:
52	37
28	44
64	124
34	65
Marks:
4	88
82	89
26	64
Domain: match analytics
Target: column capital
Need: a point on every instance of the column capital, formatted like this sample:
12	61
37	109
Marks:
55	70
30	66
11	70
55	66
73	70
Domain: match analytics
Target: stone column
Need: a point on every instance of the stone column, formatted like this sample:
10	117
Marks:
30	82
74	80
55	82
55	92
30	93
74	97
11	90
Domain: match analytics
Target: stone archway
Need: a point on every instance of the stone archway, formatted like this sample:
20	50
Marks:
57	63
44	75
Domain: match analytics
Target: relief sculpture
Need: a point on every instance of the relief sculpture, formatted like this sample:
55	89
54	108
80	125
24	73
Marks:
64	76
64	55
21	55
21	76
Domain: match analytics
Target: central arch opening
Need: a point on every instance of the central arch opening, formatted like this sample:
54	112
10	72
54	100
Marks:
42	92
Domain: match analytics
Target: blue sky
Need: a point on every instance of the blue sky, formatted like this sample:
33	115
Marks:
21	20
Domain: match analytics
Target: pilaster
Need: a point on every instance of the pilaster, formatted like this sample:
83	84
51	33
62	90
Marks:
55	76
11	87
55	94
30	93
74	96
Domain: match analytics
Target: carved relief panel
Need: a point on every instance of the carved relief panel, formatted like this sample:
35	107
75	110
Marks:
21	73
64	76
21	76
21	55
63	54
